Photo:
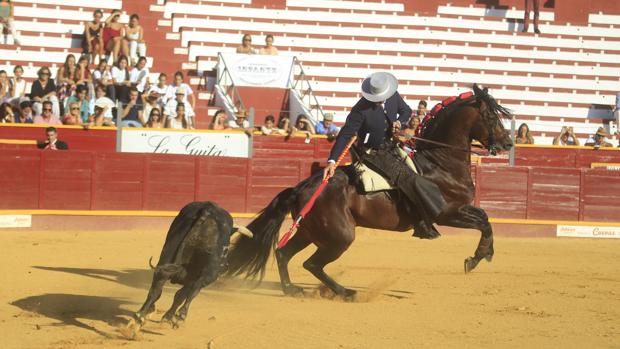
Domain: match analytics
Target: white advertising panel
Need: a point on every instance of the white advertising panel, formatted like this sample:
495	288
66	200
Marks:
258	70
580	231
16	221
185	142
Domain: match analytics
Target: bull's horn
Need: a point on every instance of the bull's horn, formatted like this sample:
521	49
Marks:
243	231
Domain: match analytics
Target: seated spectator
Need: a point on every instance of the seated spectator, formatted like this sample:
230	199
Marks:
121	79
17	86
65	79
93	38
25	113
268	49
132	115
523	135
52	142
5	87
139	75
103	77
303	126
246	45
134	34
6	21
269	128
412	126
150	103
101	99
44	89
114	36
171	106
327	127
284	123
219	121
81	98
73	116
241	123
178	122
82	74
156	119
47	116
422	111
566	137
188	95
6	114
598	139
162	89
99	116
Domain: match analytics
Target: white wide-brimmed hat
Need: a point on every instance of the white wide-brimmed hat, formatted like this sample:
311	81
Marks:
379	86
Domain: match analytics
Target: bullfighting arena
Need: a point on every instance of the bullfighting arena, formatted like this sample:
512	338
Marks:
74	288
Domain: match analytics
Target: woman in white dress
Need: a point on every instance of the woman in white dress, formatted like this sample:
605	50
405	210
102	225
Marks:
179	122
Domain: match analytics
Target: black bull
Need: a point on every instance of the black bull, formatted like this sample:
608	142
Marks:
194	255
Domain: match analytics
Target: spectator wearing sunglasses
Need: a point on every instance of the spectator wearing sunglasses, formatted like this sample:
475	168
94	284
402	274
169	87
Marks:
246	45
73	116
156	119
47	116
44	90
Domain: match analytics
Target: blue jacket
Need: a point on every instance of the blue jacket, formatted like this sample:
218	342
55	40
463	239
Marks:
367	118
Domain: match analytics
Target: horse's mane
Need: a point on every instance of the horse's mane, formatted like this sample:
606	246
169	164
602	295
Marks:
444	110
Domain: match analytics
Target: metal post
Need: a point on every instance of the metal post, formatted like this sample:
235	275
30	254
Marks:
251	140
511	155
119	133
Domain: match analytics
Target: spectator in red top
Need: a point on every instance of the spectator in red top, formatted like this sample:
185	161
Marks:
114	36
526	18
52	142
47	117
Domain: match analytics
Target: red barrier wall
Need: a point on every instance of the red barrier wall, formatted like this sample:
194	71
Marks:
112	181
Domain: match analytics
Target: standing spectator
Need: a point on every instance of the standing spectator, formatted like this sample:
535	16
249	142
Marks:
219	121
139	75
156	119
121	79
171	106
178	122
188	93
73	116
134	34
44	89
162	90
268	49
526	18
598	139
327	127
93	37
566	137
81	98
17	86
246	45
65	78
523	135
269	128
25	113
103	77
114	36
83	75
132	115
47	117
421	112
52	142
6	20
6	114
303	126
5	87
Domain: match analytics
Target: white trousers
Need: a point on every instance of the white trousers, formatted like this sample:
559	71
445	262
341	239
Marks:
11	26
136	50
37	107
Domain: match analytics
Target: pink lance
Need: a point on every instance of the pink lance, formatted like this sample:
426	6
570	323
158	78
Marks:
304	211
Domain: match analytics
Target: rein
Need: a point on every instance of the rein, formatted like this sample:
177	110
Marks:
446	145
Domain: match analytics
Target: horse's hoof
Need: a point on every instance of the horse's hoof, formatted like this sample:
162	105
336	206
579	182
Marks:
349	295
131	330
470	264
293	290
489	257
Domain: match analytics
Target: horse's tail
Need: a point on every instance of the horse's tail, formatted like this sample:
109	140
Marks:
250	255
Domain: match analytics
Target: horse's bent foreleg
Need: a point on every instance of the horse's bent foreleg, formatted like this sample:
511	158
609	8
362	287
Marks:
472	217
322	257
283	255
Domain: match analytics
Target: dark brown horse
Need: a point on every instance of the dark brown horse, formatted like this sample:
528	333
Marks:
330	225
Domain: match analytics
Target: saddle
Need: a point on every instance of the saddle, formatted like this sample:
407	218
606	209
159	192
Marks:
371	181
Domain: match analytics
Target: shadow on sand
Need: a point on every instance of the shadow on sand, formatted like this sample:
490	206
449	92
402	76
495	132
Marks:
68	308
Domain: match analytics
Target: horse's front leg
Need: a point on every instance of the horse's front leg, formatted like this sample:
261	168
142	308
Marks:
473	218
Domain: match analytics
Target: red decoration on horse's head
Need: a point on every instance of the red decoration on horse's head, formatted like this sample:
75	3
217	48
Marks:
448	100
466	95
436	109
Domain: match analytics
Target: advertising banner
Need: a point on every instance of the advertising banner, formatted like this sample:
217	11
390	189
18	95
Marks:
16	221
258	70
580	231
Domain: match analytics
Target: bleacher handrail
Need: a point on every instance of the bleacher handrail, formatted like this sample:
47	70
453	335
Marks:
299	83
227	86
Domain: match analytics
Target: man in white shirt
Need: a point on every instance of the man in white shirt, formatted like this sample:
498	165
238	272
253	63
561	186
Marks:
171	107
139	75
164	91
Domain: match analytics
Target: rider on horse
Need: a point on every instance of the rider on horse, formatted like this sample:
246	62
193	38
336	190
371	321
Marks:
375	119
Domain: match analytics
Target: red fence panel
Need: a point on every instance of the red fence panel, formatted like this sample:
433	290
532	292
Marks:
553	193
503	191
224	181
601	192
268	178
66	180
118	181
76	137
169	181
545	157
585	157
19	179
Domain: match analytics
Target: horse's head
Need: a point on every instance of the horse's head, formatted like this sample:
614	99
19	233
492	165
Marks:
488	128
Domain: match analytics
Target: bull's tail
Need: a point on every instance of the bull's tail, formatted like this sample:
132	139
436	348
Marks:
250	255
151	263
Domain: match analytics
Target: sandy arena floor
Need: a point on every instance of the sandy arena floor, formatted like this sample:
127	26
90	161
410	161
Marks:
72	290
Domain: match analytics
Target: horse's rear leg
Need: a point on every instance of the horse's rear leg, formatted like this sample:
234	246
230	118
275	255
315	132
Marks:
473	218
322	257
283	255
